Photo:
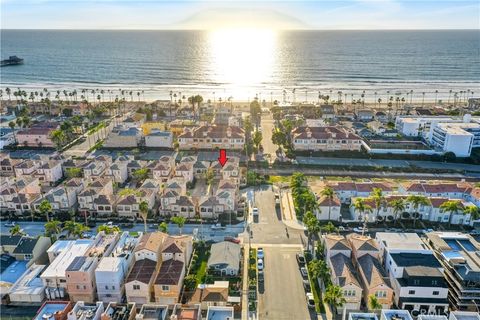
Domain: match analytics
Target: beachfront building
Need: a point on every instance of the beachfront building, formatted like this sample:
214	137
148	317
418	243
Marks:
415	274
159	139
458	138
458	255
38	135
325	139
212	137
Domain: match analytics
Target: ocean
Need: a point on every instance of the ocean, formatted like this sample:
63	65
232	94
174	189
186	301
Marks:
245	63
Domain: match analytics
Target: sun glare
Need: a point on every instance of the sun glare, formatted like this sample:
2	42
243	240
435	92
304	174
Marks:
242	57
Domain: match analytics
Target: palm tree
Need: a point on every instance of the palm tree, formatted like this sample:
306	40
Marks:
143	208
453	207
334	296
398	207
378	198
373	303
328	193
163	227
416	201
179	221
52	228
16	230
11	124
70	227
364	209
108	229
473	211
45	208
312	225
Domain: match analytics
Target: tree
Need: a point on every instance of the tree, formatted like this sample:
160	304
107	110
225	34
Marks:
140	174
334	296
319	269
453	207
329	228
108	229
313	227
364	210
163	227
58	137
143	208
180	222
257	138
279	137
70	226
398	207
255	112
373	303
190	282
210	176
473	211
16	231
11	124
73	173
52	228
328	193
416	201
45	208
378	198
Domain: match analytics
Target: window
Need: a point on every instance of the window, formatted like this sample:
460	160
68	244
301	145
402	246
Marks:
434	282
136	287
435	293
28	257
411	292
416	282
165	288
381	294
106	287
63	280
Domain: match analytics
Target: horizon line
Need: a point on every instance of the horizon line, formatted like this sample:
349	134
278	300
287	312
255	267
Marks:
210	29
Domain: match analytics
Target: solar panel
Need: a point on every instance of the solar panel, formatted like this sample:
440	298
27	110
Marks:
76	263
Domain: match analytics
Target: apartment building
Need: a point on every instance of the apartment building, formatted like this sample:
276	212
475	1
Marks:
415	274
458	254
119	311
211	137
328	138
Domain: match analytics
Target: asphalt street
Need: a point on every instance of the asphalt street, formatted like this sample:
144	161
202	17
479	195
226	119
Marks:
282	295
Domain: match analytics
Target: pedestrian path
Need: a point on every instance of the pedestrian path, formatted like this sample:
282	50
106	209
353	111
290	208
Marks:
288	211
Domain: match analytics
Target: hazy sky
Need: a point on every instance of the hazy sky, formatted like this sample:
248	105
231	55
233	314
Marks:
150	14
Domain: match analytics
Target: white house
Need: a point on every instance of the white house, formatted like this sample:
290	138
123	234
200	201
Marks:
159	139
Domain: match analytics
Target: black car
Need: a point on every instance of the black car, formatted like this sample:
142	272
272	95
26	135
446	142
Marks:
300	259
306	286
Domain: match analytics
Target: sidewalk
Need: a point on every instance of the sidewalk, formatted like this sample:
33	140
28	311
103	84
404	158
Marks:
288	211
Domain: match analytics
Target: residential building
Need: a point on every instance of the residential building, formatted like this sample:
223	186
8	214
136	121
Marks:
458	138
365	115
187	312
334	244
58	309
225	258
345	191
119	311
159	139
458	255
210	295
80	273
211	137
118	171
328	209
29	288
153	312
123	137
362	316
54	277
33	250
415	274
389	314
49	172
112	270
129	205
38	135
328	138
82	311
464	315
219	313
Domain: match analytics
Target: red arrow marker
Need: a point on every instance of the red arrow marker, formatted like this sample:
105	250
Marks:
223	157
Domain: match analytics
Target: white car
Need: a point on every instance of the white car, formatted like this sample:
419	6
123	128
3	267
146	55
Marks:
260	253
260	264
304	272
310	300
255	211
217	226
10	224
360	229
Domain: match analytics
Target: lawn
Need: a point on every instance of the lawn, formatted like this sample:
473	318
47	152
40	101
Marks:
279	179
199	262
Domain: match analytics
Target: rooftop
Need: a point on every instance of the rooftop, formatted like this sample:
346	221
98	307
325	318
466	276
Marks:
153	312
219	313
362	316
14	271
407	259
388	314
464	315
58	267
400	241
143	271
30	282
118	311
49	308
186	312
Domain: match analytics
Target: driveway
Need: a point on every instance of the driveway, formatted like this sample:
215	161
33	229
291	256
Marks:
283	296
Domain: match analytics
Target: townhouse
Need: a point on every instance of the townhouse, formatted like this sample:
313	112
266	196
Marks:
415	274
347	190
458	254
211	137
128	206
343	274
80	273
24	248
211	295
366	258
118	171
159	139
112	269
328	138
100	186
38	135
123	136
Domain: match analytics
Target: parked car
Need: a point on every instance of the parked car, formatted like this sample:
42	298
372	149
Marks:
306	285
217	226
304	272
260	264
261	276
10	224
310	300
425	231
475	232
232	239
277	199
260	253
360	229
300	259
